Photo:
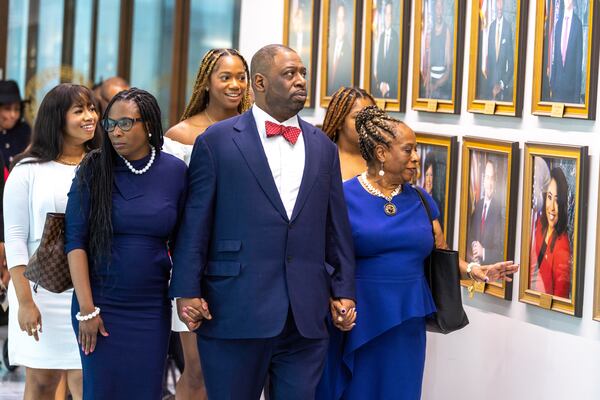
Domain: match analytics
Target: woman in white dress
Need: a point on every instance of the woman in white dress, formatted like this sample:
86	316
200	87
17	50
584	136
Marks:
40	335
220	91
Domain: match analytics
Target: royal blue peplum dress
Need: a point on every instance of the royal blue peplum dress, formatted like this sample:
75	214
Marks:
383	357
131	290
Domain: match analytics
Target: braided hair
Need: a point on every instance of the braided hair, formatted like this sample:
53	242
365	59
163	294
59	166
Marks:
341	103
96	172
200	97
374	127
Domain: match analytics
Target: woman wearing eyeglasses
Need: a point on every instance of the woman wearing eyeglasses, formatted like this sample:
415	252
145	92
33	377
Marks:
122	213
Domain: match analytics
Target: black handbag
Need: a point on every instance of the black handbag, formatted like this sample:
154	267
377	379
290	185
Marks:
443	276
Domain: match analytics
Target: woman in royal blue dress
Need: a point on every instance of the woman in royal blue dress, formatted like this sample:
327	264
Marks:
123	209
383	357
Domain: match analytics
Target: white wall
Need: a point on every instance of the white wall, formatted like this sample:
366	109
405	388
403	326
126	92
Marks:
510	350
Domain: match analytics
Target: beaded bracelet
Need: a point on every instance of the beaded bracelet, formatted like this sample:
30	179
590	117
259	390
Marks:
94	314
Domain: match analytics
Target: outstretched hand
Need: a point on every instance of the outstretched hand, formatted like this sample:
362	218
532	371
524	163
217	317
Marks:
192	311
494	272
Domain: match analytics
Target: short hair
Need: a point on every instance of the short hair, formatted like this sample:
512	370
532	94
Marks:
200	97
263	59
562	188
374	127
340	105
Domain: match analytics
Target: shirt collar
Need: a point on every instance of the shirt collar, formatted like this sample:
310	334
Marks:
261	116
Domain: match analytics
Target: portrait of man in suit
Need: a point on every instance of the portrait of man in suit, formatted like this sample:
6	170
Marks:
299	36
497	73
339	55
485	243
386	67
566	72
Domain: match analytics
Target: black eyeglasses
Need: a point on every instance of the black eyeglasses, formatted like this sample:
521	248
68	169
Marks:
125	124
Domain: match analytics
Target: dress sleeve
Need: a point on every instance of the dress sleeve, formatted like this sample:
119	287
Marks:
16	206
77	216
561	273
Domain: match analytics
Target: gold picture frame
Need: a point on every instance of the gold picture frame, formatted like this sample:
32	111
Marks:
301	32
596	310
444	97
387	46
555	91
341	60
497	58
439	154
552	269
489	186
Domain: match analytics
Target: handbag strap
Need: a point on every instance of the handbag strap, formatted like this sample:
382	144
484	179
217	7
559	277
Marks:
427	209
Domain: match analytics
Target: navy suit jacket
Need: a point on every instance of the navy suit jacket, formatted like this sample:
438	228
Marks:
502	68
565	81
238	249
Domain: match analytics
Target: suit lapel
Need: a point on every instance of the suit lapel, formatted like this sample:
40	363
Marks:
312	153
249	144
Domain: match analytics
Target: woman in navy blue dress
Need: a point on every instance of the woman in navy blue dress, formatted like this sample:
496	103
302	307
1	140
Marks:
383	357
123	209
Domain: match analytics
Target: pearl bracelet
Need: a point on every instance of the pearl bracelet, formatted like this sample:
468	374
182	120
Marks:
470	267
94	314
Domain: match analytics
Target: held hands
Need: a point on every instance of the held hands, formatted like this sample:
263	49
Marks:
343	313
477	251
30	319
88	333
494	272
192	311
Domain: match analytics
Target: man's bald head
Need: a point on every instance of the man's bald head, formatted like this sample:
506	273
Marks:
262	60
108	89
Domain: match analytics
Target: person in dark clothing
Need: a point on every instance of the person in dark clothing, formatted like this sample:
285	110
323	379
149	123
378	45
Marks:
14	131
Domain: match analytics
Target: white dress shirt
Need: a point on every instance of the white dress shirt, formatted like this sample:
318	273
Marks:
286	161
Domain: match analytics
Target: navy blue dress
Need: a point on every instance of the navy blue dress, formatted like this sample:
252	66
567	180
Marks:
131	290
383	357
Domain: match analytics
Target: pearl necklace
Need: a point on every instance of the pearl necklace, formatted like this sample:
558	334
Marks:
143	170
389	208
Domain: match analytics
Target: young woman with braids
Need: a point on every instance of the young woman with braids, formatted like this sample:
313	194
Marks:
123	210
383	357
39	329
339	125
221	91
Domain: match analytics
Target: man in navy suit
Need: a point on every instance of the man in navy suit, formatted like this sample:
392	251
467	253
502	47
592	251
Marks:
565	82
486	229
500	58
265	242
387	57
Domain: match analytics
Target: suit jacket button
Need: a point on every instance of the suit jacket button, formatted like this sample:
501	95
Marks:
289	259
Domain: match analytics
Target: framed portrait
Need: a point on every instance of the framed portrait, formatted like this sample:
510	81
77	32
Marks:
340	47
301	33
437	175
438	55
487	207
565	72
386	52
497	56
554	223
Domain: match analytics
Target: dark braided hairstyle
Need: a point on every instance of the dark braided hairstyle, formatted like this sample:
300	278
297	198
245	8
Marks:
200	97
374	127
97	171
341	103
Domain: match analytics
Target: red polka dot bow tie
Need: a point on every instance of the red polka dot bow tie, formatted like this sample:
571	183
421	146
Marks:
290	133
